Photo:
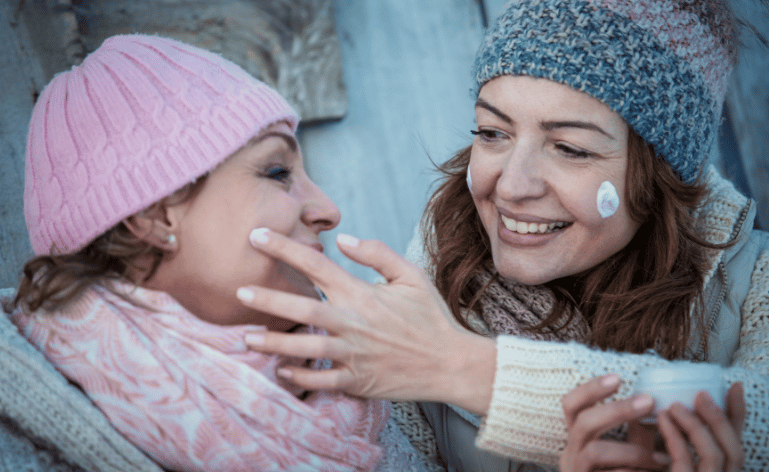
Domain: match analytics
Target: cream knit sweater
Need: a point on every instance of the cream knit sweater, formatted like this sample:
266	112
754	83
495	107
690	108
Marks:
525	419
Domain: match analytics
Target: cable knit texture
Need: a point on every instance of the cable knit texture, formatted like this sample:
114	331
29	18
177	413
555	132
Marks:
192	395
141	117
63	431
525	419
654	62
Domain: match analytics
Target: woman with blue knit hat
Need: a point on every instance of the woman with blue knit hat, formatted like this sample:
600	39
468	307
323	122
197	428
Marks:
608	269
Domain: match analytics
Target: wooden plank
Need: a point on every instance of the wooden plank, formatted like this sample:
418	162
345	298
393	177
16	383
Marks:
493	8
22	78
289	44
407	70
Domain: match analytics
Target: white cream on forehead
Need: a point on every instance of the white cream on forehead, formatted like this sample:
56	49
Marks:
607	199
469	180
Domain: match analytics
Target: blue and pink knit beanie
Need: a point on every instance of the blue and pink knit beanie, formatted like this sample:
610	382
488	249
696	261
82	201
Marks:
662	65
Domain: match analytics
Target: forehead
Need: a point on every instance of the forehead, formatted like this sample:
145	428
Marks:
546	98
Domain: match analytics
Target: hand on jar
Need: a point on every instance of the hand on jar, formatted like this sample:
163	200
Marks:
705	439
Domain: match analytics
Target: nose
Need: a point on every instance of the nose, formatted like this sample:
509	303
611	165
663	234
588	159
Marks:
319	212
522	174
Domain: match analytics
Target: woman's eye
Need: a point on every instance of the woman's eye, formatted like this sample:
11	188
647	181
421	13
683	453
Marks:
573	152
281	174
487	134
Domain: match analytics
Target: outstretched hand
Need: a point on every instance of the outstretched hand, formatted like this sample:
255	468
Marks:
396	340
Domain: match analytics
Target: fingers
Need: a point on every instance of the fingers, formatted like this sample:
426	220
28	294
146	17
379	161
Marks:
593	423
321	270
378	256
310	346
587	419
711	455
721	429
308	379
714	434
735	407
289	306
587	394
675	444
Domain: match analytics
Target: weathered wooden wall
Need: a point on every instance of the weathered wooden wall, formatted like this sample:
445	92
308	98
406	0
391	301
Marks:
289	44
748	107
20	76
406	69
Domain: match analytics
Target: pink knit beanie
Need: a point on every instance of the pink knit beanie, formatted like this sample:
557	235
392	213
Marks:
141	117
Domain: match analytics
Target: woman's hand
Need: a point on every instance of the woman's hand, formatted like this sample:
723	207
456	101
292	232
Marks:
397	340
708	431
715	434
588	418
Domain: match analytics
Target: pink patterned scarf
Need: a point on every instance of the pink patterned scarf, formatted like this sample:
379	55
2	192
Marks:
191	395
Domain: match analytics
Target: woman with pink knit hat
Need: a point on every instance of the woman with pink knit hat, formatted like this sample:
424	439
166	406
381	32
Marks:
591	273
147	168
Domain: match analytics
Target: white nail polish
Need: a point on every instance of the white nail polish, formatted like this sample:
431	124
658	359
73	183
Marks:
259	236
245	294
347	240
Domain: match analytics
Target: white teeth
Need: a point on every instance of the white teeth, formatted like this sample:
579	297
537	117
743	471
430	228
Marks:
526	228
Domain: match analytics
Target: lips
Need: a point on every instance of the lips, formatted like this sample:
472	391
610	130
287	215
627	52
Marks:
523	227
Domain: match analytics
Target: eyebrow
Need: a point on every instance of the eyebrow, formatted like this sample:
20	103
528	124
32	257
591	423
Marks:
290	140
547	125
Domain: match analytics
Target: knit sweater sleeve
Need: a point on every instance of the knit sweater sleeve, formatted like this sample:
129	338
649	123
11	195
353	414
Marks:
525	419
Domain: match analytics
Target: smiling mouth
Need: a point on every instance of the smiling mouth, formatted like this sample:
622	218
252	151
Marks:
522	227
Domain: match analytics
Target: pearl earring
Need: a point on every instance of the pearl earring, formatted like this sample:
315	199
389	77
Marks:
171	239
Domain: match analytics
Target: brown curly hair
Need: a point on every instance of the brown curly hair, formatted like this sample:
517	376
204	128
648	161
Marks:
638	299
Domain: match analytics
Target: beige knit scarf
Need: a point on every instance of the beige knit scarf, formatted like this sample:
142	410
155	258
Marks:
508	308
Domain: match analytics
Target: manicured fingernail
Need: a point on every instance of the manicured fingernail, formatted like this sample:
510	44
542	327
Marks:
611	380
245	294
347	240
642	402
254	339
661	458
285	373
259	236
709	400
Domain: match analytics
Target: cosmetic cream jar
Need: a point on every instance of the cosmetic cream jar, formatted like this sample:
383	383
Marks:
680	383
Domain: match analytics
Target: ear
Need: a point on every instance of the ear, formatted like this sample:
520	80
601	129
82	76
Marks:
155	226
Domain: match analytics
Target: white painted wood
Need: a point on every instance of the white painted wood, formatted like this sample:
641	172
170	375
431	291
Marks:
407	71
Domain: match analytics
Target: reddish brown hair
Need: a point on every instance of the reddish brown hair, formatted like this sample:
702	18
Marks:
51	281
640	298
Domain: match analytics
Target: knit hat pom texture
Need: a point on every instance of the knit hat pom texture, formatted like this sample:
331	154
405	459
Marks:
656	63
141	117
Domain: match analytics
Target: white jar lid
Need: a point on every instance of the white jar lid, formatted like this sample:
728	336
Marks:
680	373
681	382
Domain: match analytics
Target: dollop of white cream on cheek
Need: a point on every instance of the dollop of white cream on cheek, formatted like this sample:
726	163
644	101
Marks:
469	180
607	199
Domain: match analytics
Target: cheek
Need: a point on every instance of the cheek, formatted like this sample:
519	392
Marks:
481	176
